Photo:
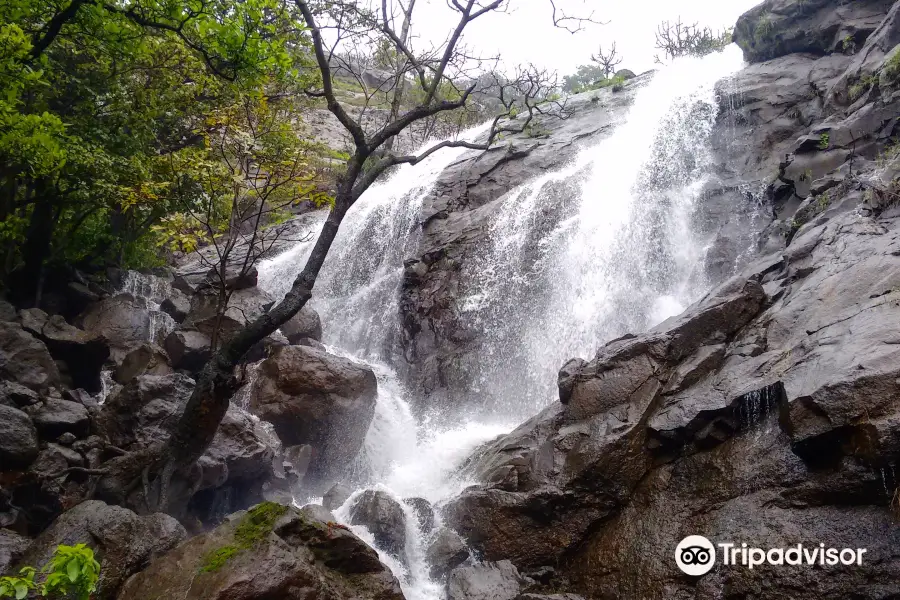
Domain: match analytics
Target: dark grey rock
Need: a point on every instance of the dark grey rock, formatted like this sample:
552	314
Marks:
18	439
188	349
315	398
424	513
384	518
335	497
306	324
144	359
446	552
54	417
487	581
24	359
12	547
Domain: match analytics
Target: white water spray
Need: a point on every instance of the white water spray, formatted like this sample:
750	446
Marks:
575	257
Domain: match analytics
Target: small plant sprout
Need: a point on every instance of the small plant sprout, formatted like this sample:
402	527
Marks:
824	141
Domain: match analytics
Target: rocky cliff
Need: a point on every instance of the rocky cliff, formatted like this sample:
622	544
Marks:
767	413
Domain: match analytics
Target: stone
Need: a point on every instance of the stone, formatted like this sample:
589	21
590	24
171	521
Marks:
296	557
244	306
54	417
446	552
384	518
306	324
188	349
424	513
123	542
776	28
335	497
487	581
229	475
312	397
125	321
24	359
177	305
12	547
17	395
83	352
18	439
144	359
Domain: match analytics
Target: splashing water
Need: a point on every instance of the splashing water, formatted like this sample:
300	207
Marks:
574	258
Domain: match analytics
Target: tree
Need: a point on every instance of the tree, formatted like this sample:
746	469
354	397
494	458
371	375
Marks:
434	73
678	39
607	62
96	92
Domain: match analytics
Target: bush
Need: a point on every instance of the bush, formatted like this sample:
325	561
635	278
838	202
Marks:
71	573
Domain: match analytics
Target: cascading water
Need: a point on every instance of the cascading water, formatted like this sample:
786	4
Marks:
574	258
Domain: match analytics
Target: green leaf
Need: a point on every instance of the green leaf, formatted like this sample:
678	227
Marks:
21	591
73	569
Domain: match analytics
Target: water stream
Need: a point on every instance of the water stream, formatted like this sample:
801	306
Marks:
575	257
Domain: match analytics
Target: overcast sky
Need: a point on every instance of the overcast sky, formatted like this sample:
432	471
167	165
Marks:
527	33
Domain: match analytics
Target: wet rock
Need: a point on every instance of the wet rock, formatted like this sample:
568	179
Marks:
384	517
54	417
145	359
188	349
446	552
336	496
487	581
24	359
779	27
123	542
177	305
306	324
549	597
12	547
18	439
315	398
297	555
244	306
424	513
125	321
17	395
83	352
230	474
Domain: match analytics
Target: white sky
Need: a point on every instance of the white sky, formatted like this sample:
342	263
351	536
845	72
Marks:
527	34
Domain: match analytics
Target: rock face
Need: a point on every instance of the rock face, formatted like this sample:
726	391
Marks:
306	324
446	552
314	398
123	542
293	555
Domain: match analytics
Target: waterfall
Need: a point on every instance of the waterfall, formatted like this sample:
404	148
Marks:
598	248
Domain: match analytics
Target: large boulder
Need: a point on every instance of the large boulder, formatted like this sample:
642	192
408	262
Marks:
55	416
123	542
24	359
144	359
779	27
306	324
18	439
487	581
84	353
272	551
244	305
446	552
312	397
230	474
384	518
188	349
12	547
126	321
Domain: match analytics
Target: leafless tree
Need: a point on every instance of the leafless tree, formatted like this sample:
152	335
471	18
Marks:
607	61
433	74
680	39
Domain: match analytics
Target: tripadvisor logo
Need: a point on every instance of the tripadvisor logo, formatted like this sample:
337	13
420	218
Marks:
695	555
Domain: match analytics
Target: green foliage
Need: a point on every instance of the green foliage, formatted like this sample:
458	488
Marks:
823	201
617	83
72	571
848	44
861	87
253	528
18	586
88	117
824	141
890	72
765	27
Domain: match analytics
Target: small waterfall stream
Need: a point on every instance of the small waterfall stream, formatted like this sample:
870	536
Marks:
575	257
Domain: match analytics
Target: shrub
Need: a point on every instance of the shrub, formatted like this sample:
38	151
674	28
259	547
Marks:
71	573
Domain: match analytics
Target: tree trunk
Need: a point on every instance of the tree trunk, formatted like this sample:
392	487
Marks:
216	383
36	249
399	80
